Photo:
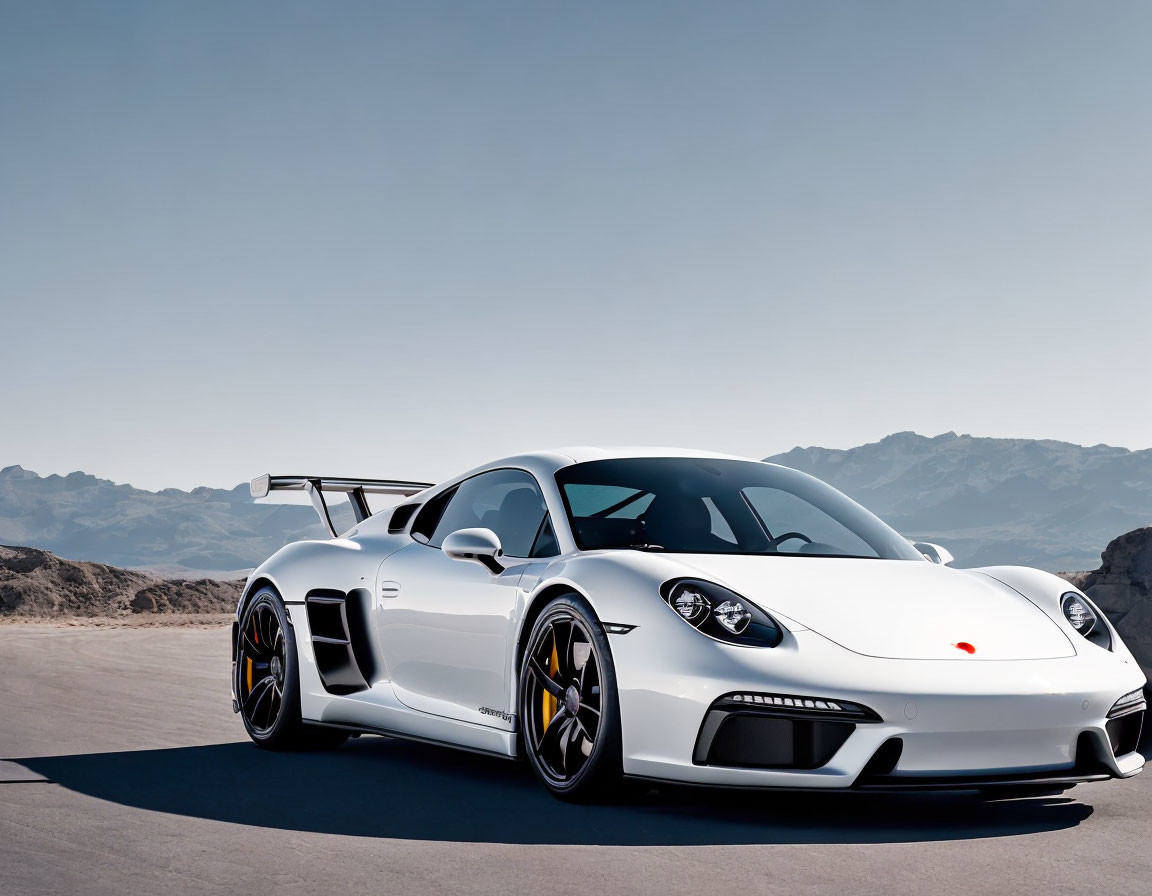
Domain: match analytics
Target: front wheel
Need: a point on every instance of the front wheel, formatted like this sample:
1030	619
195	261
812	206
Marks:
267	680
568	702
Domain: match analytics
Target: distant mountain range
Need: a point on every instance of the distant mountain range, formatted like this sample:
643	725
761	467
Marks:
206	531
1040	503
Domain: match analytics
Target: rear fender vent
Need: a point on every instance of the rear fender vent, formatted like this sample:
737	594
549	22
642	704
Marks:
339	639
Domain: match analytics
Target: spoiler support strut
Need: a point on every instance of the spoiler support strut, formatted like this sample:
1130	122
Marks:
312	487
357	491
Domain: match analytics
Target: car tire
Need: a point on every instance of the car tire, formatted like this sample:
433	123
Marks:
266	680
569	704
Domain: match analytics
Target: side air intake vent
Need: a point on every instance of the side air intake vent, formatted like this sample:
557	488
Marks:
339	640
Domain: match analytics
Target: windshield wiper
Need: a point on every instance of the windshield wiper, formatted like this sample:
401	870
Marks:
645	547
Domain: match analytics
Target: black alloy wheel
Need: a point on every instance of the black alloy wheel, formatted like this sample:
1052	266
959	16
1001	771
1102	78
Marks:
261	665
266	680
571	727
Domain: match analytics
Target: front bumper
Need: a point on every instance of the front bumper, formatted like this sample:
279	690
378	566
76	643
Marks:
957	723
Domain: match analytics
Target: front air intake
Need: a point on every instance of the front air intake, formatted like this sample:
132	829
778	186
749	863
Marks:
776	731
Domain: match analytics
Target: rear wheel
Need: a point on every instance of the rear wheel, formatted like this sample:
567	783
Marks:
568	702
267	680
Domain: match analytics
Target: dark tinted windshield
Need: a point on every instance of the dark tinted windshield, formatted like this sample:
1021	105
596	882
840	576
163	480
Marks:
706	506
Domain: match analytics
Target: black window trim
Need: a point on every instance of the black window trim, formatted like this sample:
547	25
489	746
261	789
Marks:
546	521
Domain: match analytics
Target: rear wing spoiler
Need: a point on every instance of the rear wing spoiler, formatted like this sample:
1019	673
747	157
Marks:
355	489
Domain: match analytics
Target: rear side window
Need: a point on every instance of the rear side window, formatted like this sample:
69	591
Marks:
400	517
427	519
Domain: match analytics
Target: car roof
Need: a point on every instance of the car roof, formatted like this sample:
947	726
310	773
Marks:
584	453
547	462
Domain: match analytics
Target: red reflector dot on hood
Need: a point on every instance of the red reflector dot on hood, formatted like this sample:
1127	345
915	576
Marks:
965	646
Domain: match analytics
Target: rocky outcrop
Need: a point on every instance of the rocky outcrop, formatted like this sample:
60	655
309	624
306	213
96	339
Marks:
1122	588
37	584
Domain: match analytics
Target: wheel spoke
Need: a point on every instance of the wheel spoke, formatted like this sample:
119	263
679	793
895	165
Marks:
551	735
251	648
567	743
273	710
257	694
546	680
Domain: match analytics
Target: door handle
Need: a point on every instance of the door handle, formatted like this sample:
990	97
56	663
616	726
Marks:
389	589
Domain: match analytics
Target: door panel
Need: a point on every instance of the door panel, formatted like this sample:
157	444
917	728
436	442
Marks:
445	627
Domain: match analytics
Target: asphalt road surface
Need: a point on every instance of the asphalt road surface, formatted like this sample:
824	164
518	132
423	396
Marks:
151	788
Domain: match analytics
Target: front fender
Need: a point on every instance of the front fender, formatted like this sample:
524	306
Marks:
1045	590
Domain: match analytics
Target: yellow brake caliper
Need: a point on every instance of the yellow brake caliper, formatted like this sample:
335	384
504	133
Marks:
248	670
548	707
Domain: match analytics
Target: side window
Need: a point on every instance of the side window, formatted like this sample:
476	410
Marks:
506	501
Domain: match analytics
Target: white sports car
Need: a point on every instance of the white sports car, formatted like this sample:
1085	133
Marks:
677	616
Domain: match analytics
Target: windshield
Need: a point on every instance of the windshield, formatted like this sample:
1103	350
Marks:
706	506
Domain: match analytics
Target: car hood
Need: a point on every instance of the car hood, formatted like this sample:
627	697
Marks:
899	609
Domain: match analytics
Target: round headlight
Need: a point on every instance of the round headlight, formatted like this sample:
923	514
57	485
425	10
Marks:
691	604
1083	616
1079	614
733	616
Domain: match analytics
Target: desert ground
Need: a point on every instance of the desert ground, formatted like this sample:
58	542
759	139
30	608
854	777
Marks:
125	772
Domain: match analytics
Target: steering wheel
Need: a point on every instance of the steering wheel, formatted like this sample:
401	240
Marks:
779	539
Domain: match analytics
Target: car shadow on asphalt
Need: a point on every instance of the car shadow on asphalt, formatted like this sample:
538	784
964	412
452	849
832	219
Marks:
380	787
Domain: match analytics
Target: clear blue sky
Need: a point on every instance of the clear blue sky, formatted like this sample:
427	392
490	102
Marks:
398	240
